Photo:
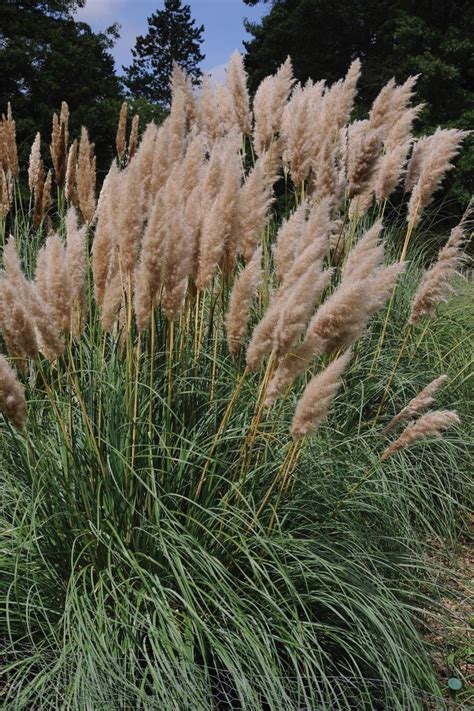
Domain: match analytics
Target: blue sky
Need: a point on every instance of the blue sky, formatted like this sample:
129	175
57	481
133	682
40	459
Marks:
222	20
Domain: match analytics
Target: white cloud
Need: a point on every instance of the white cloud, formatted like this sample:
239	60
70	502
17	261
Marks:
100	10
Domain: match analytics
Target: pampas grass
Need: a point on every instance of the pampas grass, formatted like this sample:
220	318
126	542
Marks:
180	336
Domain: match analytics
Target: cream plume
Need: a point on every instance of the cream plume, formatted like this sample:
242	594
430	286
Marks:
325	185
255	198
338	323
6	192
71	171
180	81
365	256
144	160
12	395
35	167
46	328
297	304
396	147
364	148
421	402
297	128
149	273
16	324
313	407
435	285
287	239
236	80
176	127
243	292
8	147
105	234
347	94
86	177
269	104
432	424
53	282
76	269
59	141
437	154
219	223
121	131
133	138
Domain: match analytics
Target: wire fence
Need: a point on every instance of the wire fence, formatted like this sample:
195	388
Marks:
220	691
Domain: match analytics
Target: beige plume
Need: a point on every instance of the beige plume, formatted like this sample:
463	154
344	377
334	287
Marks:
236	79
121	131
313	407
12	395
432	424
243	292
421	402
435	285
437	155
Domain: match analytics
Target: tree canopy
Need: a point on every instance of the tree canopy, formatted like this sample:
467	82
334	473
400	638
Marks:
432	38
172	37
47	57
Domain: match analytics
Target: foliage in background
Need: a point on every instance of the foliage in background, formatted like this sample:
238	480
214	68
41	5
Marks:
172	37
47	57
432	38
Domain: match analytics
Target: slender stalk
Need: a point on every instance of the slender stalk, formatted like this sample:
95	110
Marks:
220	430
135	399
366	475
394	370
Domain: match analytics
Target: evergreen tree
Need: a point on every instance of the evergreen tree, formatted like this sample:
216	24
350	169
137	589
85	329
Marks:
172	37
433	38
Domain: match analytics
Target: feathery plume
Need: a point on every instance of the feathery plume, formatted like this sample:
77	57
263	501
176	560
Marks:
219	222
347	94
236	79
104	237
70	186
133	138
297	128
59	141
396	147
366	255
246	286
12	395
53	282
35	167
297	304
420	148
16	324
364	148
46	195
269	104
421	402
338	323
442	147
121	131
284	249
435	285
9	152
149	272
76	269
86	177
6	193
431	424
180	81
255	197
313	407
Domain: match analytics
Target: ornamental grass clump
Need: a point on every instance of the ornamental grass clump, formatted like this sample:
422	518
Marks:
189	372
